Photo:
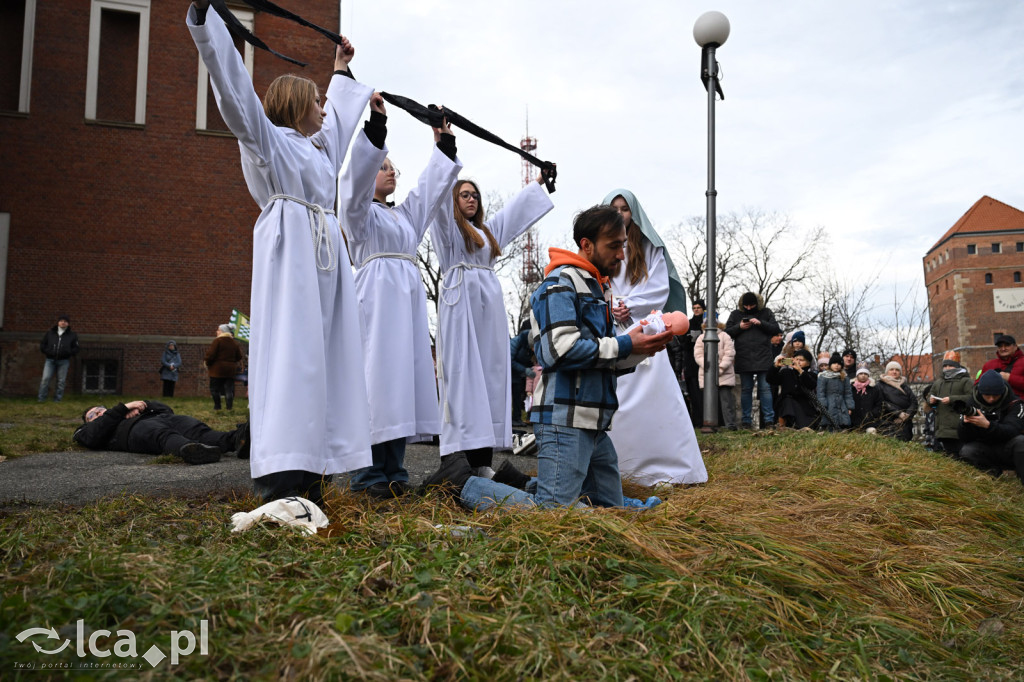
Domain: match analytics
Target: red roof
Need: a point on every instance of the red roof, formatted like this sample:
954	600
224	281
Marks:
920	368
987	215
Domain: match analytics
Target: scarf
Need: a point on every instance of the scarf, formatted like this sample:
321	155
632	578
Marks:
953	372
861	388
828	374
895	383
676	290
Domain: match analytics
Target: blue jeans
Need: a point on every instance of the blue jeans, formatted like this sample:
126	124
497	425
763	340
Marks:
571	464
60	367
388	465
764	394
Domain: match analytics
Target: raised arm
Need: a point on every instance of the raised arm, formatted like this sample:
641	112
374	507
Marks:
359	180
521	212
426	199
346	100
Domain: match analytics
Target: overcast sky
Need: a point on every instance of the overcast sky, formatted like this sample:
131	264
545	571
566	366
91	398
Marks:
882	121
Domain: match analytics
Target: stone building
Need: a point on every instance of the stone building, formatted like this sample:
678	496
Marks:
122	202
973	274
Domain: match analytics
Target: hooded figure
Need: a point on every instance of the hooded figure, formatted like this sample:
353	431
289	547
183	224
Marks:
170	364
652	430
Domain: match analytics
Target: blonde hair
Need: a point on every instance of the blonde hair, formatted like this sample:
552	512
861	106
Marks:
471	237
289	99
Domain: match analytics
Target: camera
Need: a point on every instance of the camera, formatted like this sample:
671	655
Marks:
963	407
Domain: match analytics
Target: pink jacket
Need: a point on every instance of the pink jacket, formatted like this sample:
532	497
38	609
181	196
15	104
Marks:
726	358
532	381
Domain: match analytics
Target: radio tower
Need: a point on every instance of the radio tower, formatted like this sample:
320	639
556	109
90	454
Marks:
531	270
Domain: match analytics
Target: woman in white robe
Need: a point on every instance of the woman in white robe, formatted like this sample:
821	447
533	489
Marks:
651	430
473	340
383	239
307	393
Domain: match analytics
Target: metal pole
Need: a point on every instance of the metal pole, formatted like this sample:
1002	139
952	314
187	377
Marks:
710	69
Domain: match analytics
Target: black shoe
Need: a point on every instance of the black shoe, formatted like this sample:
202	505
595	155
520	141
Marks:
197	453
386	490
242	441
451	476
508	474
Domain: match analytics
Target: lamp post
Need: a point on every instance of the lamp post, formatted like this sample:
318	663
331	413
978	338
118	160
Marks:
711	30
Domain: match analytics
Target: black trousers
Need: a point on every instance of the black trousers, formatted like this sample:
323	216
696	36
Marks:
995	458
166	434
220	386
169	388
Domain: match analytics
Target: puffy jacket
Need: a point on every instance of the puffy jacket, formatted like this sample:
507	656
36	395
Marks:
754	345
956	387
1014	365
1006	419
836	395
726	358
57	346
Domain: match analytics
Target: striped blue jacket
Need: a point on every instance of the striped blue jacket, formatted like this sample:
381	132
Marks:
573	338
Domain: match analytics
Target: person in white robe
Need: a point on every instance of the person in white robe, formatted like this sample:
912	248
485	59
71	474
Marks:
307	392
651	430
383	239
474	367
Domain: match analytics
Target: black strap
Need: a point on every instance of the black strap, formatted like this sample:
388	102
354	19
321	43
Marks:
240	31
435	116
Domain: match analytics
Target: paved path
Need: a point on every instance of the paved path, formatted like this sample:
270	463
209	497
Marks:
85	476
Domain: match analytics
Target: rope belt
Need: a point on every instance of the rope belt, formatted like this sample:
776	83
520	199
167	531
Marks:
461	267
402	256
317	229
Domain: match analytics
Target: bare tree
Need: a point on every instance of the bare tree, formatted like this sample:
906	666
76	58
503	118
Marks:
687	243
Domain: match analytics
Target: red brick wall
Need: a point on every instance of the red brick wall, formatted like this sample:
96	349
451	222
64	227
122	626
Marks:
130	230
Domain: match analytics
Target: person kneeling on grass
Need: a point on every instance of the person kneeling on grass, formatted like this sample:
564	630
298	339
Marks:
991	436
152	428
572	336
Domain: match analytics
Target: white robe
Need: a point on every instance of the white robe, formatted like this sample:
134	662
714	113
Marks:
307	394
400	378
472	338
651	430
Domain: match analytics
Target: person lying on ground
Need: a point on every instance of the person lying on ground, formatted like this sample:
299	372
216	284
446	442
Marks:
152	428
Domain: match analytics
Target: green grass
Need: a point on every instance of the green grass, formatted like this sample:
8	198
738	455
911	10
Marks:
805	557
27	426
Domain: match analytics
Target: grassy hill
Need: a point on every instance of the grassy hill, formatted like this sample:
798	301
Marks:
806	556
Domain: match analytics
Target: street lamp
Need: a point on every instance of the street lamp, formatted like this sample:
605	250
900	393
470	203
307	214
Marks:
711	30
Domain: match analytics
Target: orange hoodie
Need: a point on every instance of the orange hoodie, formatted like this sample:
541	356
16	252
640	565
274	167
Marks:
560	257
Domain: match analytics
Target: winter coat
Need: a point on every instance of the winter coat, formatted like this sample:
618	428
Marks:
754	345
726	359
836	395
57	346
521	353
867	406
1006	420
110	430
1014	365
171	358
894	401
795	390
223	356
957	387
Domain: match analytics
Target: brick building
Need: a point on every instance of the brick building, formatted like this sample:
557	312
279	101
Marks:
122	202
973	275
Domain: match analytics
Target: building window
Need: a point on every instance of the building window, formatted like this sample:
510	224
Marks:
947	284
100	376
997	247
988	278
17	33
1020	247
1016	277
115	83
972	249
207	115
936	288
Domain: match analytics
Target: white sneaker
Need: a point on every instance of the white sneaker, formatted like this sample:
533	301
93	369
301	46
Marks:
527	445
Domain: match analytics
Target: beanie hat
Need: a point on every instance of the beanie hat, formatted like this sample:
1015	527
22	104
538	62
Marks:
64	317
806	355
991	383
851	352
798	335
893	363
835	359
953	355
823	358
224	328
700	302
951	363
749	298
863	369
